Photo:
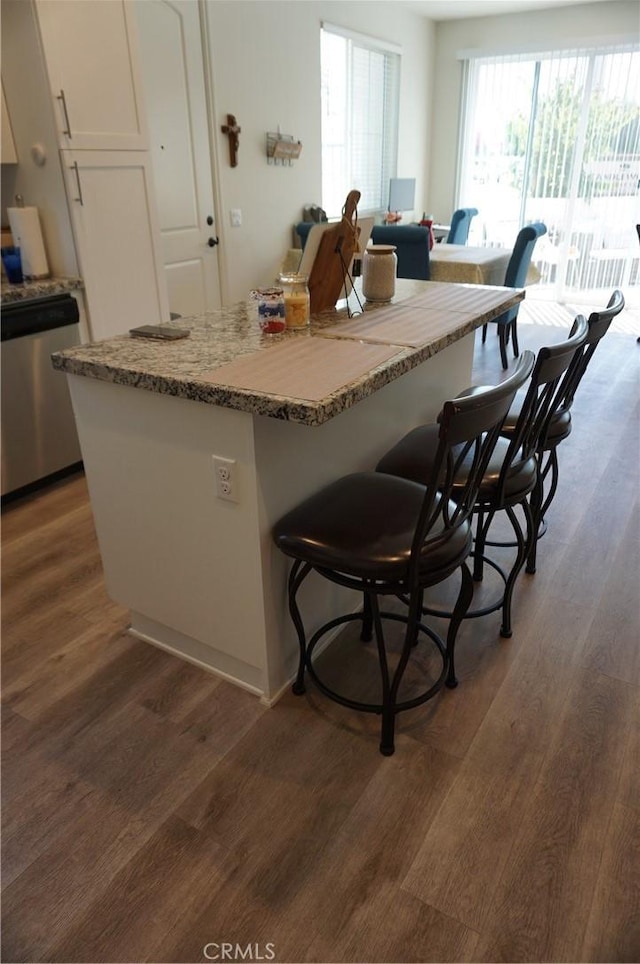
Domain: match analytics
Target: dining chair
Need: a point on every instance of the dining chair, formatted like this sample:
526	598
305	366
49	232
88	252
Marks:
411	242
386	536
515	277
512	472
302	229
460	224
560	425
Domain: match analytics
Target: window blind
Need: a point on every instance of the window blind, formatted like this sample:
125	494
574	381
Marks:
360	91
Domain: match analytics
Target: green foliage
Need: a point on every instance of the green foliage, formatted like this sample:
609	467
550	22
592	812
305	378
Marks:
554	141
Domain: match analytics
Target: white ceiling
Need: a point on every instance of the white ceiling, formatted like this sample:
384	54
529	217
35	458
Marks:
456	9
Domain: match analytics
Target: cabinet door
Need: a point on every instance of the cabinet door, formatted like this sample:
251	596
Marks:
92	63
117	239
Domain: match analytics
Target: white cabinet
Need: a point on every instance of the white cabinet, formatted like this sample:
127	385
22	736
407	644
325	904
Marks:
9	155
88	48
114	222
92	65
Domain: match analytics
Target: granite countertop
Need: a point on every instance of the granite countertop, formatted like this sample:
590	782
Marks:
217	338
38	289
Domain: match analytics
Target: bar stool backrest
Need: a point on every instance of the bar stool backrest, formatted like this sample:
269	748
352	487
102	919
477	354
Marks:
599	323
468	431
543	399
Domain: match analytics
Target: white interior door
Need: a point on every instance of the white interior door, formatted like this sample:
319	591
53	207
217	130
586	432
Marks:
170	43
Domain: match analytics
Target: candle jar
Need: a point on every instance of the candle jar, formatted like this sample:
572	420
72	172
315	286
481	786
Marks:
269	308
379	272
296	300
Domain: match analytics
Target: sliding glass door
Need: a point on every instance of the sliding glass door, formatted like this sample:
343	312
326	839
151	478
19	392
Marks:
556	138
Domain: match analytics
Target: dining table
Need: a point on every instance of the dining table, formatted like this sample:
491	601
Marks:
468	264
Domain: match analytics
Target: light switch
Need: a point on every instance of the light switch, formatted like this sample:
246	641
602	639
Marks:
236	217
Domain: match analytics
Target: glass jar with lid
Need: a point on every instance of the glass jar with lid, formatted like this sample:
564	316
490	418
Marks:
379	272
297	311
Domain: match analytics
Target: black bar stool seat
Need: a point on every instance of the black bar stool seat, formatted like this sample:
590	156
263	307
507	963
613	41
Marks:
363	525
412	458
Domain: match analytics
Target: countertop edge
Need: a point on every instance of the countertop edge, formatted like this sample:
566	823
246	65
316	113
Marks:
301	411
12	294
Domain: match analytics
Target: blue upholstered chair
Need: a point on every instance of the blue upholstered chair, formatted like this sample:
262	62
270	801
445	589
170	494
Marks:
411	243
412	248
515	277
460	223
302	230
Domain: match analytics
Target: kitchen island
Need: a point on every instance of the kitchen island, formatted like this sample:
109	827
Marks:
290	412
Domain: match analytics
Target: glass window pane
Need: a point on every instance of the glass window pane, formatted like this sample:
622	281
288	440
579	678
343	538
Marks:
360	92
556	137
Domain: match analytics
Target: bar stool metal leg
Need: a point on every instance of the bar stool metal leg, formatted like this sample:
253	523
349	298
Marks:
459	612
299	572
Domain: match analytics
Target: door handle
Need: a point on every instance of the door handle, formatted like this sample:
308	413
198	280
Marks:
212	242
63	99
74	167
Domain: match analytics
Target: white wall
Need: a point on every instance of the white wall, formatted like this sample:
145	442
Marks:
544	30
266	71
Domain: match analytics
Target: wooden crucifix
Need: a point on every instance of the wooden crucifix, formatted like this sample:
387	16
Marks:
232	131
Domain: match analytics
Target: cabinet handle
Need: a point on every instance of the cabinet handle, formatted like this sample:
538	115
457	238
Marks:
74	167
61	97
212	242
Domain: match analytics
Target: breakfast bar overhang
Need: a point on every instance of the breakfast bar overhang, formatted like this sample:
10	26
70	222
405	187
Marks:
199	573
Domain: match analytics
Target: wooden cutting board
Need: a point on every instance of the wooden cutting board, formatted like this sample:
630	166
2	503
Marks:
337	247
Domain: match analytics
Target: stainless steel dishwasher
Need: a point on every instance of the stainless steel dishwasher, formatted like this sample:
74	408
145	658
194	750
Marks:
39	438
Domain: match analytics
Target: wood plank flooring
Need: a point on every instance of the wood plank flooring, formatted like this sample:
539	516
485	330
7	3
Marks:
150	808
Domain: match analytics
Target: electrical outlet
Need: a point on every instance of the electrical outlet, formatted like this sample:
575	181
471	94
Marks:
226	478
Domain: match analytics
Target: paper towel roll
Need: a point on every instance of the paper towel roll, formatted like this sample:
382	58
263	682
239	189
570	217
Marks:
27	235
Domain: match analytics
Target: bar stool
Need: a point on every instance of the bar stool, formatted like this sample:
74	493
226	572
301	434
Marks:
387	536
512	472
560	425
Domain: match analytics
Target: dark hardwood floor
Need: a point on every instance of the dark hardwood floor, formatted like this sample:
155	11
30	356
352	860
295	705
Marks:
150	809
